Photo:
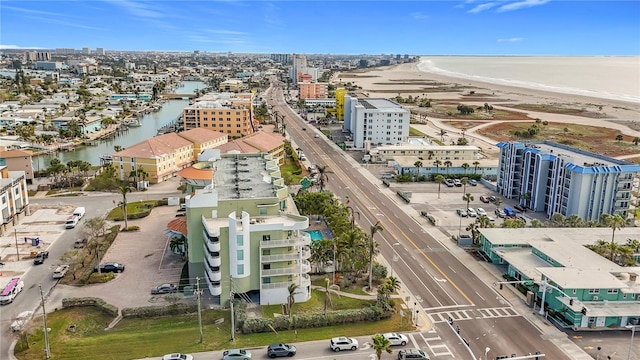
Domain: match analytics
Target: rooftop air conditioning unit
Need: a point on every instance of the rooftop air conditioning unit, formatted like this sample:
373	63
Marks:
595	298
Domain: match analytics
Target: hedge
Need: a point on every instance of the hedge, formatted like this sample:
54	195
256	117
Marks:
259	325
104	246
90	301
155	311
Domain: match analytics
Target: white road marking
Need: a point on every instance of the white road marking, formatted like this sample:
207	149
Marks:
477	293
452	269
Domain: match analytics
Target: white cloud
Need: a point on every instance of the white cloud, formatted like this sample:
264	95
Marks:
225	32
140	9
521	5
483	7
418	15
17	47
511	40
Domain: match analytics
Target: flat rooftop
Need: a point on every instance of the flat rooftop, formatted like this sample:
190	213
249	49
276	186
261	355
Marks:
578	157
242	177
380	104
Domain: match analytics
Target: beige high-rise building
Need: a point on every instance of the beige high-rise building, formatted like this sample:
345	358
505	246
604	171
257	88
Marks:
228	113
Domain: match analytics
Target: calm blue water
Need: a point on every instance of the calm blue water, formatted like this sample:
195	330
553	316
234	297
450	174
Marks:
605	77
316	235
150	125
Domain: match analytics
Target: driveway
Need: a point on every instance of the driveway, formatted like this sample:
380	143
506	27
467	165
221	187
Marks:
147	259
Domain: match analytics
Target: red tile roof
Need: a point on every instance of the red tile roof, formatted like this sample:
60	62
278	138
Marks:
155	147
195	174
260	142
201	135
178	225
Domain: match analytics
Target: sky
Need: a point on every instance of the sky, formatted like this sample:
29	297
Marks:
418	27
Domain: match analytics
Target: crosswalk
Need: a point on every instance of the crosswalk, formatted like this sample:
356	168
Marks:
470	314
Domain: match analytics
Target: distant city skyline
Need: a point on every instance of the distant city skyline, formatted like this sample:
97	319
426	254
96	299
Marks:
466	27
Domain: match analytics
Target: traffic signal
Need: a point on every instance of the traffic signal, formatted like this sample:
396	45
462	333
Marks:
571	302
537	353
584	311
501	286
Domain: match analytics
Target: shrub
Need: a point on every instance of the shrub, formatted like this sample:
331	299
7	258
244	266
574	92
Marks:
155	311
90	301
96	278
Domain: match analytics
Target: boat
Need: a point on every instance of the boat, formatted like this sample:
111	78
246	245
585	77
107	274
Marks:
132	122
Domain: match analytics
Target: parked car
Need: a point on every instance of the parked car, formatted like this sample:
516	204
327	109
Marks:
343	343
449	182
60	271
21	320
41	257
481	212
280	350
492	198
304	129
492	219
388	176
177	356
500	213
80	243
396	339
485	199
509	212
473	182
317	136
471	212
457	182
164	289
111	267
412	354
236	354
181	214
520	208
461	212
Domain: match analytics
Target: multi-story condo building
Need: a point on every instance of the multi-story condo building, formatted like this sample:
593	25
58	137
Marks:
244	233
14	197
298	66
554	178
18	160
161	157
227	113
309	90
375	122
580	289
231	85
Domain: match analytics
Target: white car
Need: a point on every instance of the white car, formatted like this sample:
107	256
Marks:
471	212
396	339
481	212
60	271
21	320
177	356
343	343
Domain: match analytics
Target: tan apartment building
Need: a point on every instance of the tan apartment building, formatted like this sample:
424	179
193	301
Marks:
257	143
204	139
14	197
228	113
160	157
231	85
310	90
18	160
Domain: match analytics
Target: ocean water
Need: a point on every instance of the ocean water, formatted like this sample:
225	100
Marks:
605	77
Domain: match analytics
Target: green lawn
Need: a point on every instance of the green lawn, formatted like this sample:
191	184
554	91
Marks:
133	207
316	304
139	338
415	132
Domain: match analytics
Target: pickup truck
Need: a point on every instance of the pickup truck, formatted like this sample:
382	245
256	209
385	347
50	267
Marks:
41	257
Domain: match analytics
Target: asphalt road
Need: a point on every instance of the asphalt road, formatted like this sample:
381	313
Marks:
443	286
96	205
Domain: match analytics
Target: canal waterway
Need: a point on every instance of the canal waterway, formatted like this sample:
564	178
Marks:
150	123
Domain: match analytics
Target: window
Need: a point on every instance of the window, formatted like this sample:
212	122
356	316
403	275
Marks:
612	291
594	291
240	269
240	255
266	237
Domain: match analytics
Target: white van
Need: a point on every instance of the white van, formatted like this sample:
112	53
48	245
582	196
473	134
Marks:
12	290
72	221
79	212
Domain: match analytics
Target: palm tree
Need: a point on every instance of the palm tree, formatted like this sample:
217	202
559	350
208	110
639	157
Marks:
437	163
619	137
467	198
374	229
557	220
465	166
448	164
328	289
380	343
291	300
634	245
322	176
418	164
464	181
574	221
394	283
439	179
442	134
474	227
124	190
475	166
614	222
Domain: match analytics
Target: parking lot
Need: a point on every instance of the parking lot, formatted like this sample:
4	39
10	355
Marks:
424	197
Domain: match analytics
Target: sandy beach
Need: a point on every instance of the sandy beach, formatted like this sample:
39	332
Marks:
408	80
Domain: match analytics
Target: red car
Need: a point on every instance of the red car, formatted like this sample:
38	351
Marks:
485	199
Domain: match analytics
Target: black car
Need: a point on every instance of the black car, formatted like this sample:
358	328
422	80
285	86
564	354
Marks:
520	208
41	257
281	350
111	267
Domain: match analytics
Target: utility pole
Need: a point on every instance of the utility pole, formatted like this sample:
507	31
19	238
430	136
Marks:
15	234
233	318
47	353
198	293
98	257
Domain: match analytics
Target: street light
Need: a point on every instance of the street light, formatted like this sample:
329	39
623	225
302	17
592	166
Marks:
395	255
486	351
633	331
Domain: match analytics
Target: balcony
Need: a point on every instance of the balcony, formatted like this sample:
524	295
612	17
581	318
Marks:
304	240
212	260
213	275
211	246
287	257
291	270
303	281
216	290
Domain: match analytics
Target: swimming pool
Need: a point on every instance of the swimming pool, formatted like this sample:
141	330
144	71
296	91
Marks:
316	235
